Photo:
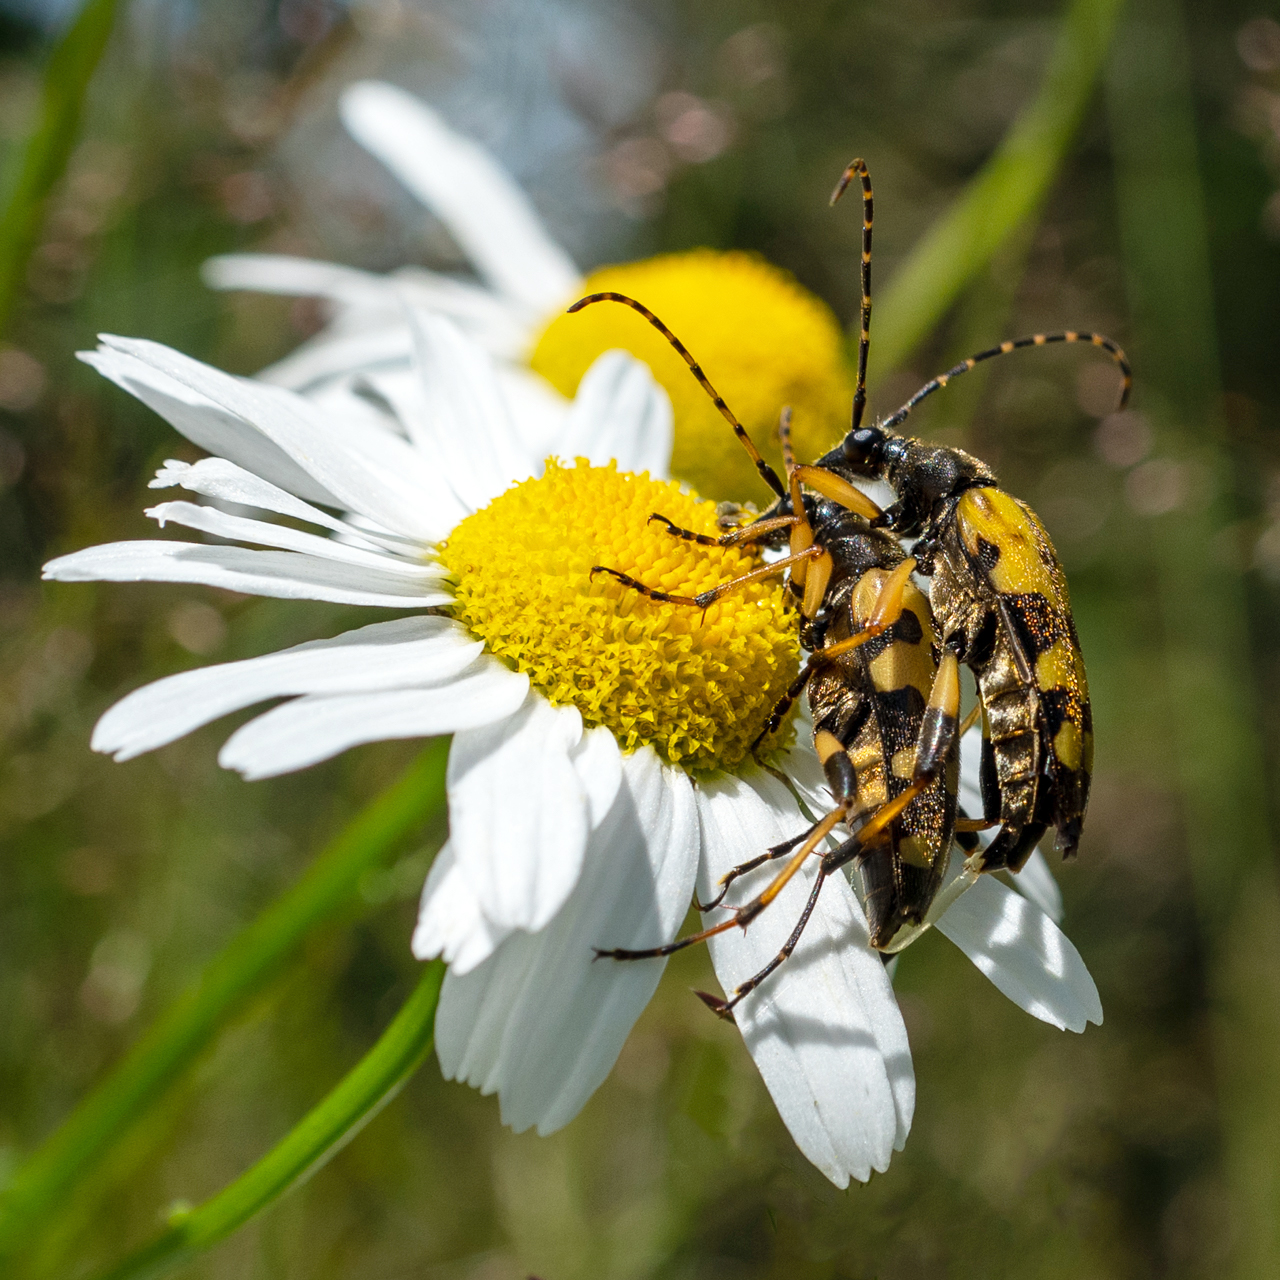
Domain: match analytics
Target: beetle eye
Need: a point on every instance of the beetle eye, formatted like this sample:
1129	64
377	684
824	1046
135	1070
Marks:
864	446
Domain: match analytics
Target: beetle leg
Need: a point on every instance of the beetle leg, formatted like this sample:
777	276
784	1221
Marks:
838	490
724	1008
741	916
776	852
748	532
705	599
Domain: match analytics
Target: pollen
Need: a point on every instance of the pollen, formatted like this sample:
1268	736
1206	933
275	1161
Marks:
764	342
698	686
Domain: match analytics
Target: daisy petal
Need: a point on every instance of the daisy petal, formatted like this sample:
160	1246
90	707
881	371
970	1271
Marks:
294	277
464	417
519	813
225	482
372	473
385	655
970	792
310	729
450	922
1024	954
804	771
824	1030
489	216
541	1022
621	413
1036	883
263	533
286	575
598	763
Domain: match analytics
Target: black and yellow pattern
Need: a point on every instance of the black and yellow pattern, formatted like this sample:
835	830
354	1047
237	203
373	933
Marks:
1000	597
869	706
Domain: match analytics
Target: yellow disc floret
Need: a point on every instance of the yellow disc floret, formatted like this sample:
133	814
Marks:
763	341
697	686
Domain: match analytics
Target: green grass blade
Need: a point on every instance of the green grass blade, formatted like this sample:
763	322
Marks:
1005	195
228	982
323	1132
66	81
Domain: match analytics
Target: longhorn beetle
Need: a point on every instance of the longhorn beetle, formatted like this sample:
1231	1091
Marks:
885	712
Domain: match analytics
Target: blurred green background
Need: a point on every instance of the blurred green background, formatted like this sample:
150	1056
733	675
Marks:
1149	1147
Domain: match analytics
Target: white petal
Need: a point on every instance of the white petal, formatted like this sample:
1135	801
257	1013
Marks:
598	763
542	1023
465	421
284	574
1024	953
358	338
824	1030
293	277
804	770
450	922
408	651
519	814
371	473
1036	883
970	792
225	482
311	729
264	533
620	412
489	216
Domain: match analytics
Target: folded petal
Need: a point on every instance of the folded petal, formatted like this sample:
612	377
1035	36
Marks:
225	482
620	413
1024	954
450	922
287	575
310	729
489	216
386	655
265	533
824	1030
541	1021
519	812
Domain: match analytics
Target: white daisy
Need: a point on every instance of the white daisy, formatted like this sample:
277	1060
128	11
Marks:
598	760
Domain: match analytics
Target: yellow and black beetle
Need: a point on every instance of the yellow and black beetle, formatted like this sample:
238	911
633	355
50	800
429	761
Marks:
1000	601
885	710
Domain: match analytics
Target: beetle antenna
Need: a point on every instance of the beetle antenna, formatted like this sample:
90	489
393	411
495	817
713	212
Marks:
767	473
859	168
1033	340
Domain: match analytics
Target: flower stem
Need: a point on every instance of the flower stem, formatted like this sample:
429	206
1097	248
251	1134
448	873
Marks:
66	81
323	1132
1005	194
40	1186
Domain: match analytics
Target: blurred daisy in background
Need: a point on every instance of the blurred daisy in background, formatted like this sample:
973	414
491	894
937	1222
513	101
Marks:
735	310
601	752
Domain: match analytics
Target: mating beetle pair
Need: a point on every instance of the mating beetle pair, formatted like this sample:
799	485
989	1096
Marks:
883	675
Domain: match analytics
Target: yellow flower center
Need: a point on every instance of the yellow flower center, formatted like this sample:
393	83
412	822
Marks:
763	340
697	686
